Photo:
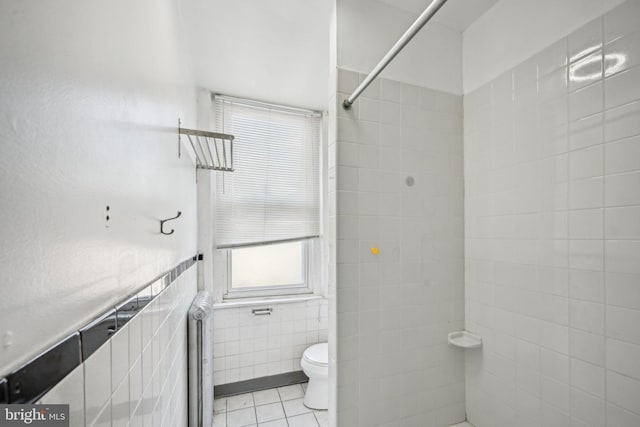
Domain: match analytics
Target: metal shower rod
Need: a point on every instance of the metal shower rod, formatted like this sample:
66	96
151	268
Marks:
400	44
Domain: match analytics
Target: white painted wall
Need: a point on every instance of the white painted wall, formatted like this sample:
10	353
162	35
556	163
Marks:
367	29
514	30
272	50
91	95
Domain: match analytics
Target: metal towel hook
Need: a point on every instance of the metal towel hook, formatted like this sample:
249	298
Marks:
162	221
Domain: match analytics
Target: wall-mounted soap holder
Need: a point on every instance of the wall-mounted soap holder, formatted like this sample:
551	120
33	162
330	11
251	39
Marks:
464	339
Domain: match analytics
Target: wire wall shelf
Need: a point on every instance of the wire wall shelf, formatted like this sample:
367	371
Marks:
214	151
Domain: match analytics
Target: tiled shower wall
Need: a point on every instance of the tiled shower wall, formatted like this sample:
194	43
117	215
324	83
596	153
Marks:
552	233
395	184
247	346
139	376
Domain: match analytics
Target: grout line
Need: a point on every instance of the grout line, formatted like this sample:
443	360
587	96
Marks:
604	237
255	411
568	107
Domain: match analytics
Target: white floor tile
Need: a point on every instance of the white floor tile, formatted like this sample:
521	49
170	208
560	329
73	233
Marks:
306	420
241	417
291	392
276	423
276	407
239	402
269	412
266	396
322	417
464	424
295	407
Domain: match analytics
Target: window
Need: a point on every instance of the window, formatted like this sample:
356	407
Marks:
268	209
273	269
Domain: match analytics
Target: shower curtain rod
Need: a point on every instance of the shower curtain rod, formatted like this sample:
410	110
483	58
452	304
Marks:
400	44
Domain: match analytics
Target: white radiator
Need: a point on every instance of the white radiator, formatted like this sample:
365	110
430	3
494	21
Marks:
201	360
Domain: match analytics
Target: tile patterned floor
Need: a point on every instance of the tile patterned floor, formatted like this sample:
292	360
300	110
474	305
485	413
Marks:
276	407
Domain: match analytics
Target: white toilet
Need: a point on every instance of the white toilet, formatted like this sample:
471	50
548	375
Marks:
315	364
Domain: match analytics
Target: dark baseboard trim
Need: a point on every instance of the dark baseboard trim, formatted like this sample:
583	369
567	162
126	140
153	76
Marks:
257	384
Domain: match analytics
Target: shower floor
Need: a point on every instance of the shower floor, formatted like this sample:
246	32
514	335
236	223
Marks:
276	407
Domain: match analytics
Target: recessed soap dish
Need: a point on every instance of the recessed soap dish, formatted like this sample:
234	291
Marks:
464	339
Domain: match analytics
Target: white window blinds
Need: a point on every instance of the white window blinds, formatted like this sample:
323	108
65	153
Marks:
274	192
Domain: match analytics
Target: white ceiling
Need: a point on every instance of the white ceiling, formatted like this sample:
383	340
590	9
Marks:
271	50
455	14
278	50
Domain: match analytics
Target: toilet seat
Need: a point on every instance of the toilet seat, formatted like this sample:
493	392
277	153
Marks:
317	354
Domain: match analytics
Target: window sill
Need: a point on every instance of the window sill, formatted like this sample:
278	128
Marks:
248	302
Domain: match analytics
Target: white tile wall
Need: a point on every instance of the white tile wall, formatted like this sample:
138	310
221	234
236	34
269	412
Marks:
394	309
248	346
139	376
552	208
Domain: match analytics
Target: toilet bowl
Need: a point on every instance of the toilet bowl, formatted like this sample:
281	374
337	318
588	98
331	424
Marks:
315	364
